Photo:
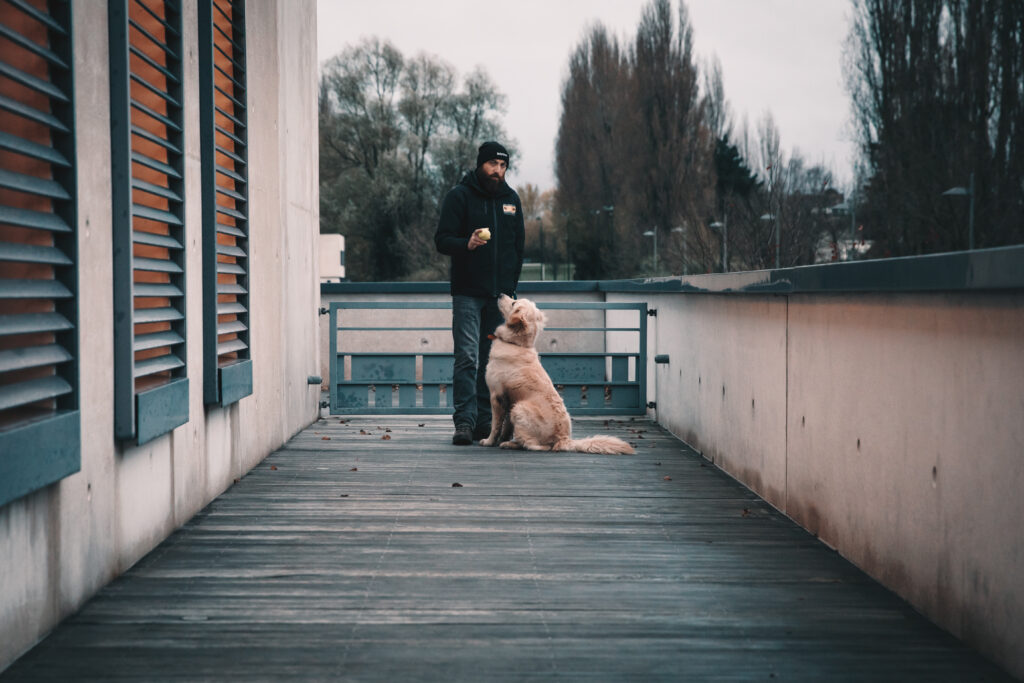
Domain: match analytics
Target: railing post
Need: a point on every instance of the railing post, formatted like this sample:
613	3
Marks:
332	330
641	361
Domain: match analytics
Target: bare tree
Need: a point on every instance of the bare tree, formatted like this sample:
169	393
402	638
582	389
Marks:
473	116
634	152
716	107
675	142
589	154
359	88
645	156
394	137
426	88
937	88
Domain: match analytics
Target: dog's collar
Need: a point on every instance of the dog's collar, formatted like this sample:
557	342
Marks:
500	338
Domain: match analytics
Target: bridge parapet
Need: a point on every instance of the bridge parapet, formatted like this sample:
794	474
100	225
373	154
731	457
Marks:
876	403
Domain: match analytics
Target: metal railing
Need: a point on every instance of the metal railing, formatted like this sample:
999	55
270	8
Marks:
367	379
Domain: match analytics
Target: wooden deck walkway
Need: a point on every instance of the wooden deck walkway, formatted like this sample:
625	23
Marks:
351	554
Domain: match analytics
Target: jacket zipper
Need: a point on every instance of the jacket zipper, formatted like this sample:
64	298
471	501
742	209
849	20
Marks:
494	270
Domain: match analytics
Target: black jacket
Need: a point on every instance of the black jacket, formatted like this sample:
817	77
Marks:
493	268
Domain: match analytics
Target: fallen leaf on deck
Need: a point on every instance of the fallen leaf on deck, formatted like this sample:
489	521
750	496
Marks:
386	437
344	495
362	431
746	512
421	424
354	469
325	438
456	485
273	467
667	478
386	429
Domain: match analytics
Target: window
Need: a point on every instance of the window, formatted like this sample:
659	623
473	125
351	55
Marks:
147	165
39	416
228	374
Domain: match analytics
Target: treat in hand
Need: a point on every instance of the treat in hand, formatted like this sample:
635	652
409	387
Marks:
484	234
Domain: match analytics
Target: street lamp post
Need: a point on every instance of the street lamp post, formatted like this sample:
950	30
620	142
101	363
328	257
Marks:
778	242
682	229
771	217
969	192
654	233
775	227
724	227
567	260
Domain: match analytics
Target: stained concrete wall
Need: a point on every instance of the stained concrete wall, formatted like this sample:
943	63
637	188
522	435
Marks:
61	544
889	424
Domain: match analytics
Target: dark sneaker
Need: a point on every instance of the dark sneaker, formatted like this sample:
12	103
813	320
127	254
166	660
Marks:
463	435
481	432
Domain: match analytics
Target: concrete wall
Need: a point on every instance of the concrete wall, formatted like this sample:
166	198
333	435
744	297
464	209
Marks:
889	424
59	545
886	422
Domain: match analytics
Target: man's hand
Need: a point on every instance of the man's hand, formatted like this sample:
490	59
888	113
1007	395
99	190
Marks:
475	241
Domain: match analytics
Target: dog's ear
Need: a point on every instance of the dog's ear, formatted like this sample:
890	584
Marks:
515	321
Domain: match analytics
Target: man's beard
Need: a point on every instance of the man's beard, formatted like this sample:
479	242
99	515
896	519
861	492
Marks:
490	183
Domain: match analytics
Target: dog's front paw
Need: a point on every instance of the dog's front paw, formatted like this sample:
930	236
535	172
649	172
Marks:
487	442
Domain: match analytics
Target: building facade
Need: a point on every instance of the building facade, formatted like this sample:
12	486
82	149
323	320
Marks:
158	276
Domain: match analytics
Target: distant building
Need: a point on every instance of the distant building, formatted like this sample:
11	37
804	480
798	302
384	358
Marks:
829	250
843	241
332	258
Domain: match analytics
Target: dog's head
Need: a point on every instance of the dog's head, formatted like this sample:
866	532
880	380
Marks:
523	321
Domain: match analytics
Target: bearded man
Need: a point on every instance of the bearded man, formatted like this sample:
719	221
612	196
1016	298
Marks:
482	229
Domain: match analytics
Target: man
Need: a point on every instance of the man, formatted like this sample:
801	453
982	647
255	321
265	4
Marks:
481	228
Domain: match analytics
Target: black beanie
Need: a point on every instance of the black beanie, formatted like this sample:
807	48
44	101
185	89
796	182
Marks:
491	150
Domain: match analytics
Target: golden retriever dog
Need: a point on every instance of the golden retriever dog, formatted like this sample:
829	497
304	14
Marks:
526	410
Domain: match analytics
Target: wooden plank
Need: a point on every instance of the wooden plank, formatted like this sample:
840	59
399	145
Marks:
348	555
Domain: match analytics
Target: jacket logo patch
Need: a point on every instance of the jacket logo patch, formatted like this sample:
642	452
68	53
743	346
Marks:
509	209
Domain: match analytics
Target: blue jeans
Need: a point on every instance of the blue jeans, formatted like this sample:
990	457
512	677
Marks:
473	318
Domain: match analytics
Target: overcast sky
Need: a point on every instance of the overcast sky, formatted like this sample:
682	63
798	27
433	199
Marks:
782	56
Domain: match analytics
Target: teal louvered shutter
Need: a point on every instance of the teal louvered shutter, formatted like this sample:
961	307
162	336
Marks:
224	139
39	398
147	166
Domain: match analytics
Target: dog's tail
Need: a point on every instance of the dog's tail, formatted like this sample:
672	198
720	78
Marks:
608	445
